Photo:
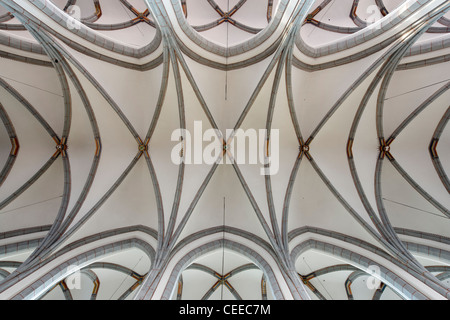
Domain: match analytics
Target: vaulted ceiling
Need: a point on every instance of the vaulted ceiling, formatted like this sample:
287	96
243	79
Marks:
92	205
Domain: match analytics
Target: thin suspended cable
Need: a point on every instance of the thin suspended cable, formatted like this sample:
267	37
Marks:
325	13
128	12
223	215
30	85
227	53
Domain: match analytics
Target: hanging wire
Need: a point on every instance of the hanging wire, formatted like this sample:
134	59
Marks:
227	54
125	278
223	248
223	217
